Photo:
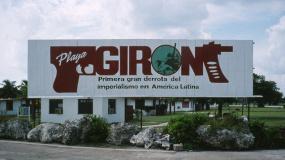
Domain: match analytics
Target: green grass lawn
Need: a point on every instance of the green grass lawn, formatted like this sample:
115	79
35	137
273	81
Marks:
271	116
152	120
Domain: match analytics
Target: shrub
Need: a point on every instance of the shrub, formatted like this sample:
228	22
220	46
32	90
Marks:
94	129
137	113
260	104
183	129
266	137
275	138
228	133
258	130
231	122
5	118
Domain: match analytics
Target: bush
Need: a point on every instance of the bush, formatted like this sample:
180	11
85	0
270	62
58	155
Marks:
94	129
5	118
231	122
137	113
258	130
276	140
183	129
260	104
229	133
266	137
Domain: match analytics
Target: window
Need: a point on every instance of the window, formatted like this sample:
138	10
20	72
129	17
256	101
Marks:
85	106
9	105
111	106
55	106
185	104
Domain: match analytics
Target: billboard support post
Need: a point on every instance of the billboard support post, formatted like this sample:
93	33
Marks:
242	107
170	107
248	109
141	115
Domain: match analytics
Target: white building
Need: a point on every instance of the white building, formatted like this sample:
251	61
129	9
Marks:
112	109
151	105
187	106
59	110
10	106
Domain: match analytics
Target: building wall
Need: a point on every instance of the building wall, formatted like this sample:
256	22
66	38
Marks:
178	107
2	107
148	102
120	110
191	107
132	102
16	105
70	110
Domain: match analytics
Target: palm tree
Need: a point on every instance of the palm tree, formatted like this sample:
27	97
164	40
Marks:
9	89
23	89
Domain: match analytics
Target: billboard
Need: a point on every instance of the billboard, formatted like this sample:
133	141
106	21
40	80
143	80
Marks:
140	68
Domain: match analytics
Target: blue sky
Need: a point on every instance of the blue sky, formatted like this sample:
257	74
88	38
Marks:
262	21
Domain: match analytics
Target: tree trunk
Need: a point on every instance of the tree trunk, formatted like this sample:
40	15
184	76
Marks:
220	109
173	103
167	102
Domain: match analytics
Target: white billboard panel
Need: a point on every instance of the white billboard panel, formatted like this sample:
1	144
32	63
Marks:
140	68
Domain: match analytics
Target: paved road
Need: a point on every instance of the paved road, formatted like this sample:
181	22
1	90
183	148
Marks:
10	150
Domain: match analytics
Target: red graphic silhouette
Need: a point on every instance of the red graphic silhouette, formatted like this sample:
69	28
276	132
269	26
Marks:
210	54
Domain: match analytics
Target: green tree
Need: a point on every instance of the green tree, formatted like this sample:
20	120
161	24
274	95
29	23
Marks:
23	88
9	89
221	102
268	89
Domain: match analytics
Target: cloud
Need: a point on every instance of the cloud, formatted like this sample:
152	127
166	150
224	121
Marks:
269	54
253	20
23	20
274	57
241	19
171	19
88	19
276	47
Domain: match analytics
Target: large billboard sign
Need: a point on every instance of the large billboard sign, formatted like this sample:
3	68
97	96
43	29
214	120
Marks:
140	68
